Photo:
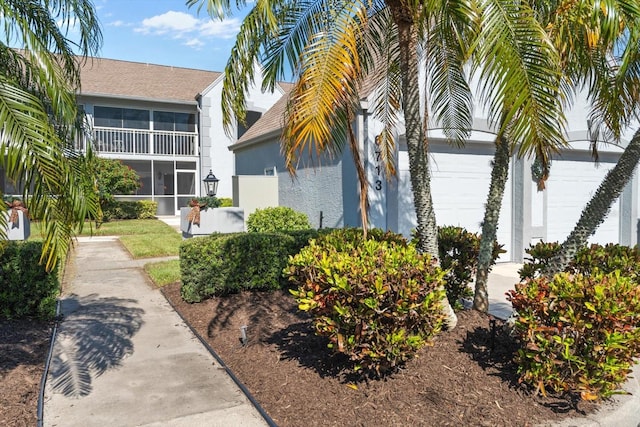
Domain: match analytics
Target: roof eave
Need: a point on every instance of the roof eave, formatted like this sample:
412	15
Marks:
193	102
256	140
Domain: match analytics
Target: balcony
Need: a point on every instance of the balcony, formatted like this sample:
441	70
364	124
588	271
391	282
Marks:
144	142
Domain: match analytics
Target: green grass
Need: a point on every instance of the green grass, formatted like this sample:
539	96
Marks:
128	227
152	245
143	238
116	228
164	272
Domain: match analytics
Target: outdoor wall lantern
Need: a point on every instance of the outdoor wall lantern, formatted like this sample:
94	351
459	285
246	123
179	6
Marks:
211	183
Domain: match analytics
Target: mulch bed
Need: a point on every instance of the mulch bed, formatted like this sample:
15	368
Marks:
24	346
466	378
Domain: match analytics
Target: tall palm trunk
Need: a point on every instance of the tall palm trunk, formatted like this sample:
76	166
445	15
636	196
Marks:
362	175
426	229
598	207
499	175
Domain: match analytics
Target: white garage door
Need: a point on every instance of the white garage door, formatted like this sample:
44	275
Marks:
460	184
571	185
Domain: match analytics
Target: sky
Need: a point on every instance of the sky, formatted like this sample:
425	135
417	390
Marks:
165	32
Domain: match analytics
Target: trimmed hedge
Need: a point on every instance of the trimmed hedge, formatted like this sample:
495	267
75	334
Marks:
277	219
139	209
226	263
27	290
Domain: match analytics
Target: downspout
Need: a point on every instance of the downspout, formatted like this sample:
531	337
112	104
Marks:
198	145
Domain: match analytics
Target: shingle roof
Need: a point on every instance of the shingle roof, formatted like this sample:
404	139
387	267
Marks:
110	77
273	119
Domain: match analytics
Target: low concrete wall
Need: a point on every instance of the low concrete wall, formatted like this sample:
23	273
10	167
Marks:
218	220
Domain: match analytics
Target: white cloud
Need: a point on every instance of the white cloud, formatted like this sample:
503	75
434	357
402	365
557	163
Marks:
173	22
221	29
196	43
117	23
181	25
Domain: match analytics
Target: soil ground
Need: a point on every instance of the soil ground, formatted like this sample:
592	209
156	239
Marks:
465	378
24	346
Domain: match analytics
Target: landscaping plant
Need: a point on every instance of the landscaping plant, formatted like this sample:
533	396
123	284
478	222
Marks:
579	333
226	263
377	300
458	250
275	219
595	258
27	289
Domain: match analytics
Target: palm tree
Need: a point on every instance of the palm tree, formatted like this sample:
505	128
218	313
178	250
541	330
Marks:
39	115
335	47
586	37
606	59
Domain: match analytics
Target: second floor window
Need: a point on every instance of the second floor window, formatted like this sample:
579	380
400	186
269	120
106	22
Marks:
127	118
174	122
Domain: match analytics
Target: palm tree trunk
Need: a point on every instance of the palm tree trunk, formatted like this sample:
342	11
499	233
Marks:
362	176
499	175
598	207
427	230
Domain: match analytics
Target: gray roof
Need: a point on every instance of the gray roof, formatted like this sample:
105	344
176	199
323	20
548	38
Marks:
110	77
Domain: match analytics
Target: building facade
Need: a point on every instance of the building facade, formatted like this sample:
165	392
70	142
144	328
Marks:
460	183
166	124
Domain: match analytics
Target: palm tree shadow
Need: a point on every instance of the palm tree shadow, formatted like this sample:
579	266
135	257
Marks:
95	336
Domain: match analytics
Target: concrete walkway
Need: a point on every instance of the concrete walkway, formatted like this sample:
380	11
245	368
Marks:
123	357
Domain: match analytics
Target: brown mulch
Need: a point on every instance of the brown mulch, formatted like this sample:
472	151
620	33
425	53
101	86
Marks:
24	346
466	378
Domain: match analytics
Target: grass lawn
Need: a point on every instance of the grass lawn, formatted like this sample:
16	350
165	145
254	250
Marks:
143	238
116	228
164	272
152	244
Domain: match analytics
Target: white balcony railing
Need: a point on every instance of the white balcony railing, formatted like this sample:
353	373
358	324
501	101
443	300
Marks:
146	142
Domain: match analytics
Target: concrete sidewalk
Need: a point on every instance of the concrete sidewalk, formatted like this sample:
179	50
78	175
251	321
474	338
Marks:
123	357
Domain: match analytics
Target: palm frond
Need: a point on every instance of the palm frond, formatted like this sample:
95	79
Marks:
326	91
520	75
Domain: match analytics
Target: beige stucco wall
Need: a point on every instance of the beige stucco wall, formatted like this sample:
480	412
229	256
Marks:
252	192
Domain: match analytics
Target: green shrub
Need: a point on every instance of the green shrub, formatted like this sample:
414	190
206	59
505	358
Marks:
273	220
378	301
578	333
115	178
226	263
588	260
226	202
139	209
206	202
539	256
458	250
301	238
26	288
